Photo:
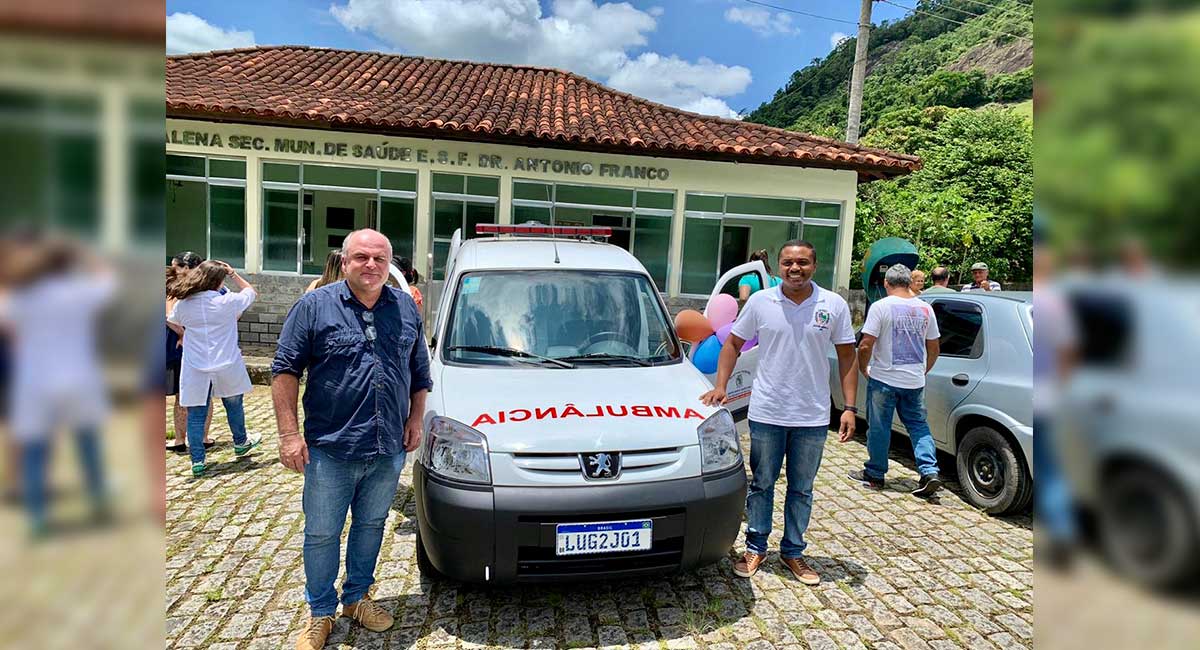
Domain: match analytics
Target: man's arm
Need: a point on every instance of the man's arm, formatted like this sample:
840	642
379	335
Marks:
414	426
848	369
933	347
865	347
285	393
725	364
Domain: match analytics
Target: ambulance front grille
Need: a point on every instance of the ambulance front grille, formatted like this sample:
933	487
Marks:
642	460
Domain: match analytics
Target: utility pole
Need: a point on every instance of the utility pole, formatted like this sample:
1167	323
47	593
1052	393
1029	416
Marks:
860	72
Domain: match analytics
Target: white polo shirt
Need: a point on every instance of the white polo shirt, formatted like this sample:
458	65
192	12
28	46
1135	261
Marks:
791	384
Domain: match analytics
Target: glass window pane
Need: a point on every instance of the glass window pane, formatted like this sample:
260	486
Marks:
399	181
704	203
227	168
77	178
451	183
568	216
824	241
148	203
532	191
185	165
281	173
339	176
228	224
593	195
764	206
652	245
478	213
823	210
483	186
959	323
701	242
397	222
659	200
441	249
521	214
447	217
186	212
281	249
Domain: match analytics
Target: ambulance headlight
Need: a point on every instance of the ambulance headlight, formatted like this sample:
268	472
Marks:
719	442
457	451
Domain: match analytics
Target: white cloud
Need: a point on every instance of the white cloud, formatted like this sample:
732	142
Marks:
761	20
595	40
191	33
836	39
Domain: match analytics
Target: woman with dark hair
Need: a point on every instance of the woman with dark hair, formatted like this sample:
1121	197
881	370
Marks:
180	264
750	284
212	360
411	277
186	260
332	273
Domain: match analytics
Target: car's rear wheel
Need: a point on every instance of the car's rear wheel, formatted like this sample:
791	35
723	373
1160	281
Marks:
423	564
990	472
1147	528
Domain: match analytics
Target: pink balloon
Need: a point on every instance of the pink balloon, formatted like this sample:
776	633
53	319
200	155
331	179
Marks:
721	310
749	344
723	333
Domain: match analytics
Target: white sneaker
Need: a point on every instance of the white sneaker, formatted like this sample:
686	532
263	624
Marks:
253	440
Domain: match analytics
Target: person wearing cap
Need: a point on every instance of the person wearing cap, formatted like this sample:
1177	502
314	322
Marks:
979	275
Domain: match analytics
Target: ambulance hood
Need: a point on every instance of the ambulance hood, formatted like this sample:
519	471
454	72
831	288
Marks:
601	408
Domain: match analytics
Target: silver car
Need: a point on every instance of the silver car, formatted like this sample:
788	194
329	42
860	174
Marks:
979	395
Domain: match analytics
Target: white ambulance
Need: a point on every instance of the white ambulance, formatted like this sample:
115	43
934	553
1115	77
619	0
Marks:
564	436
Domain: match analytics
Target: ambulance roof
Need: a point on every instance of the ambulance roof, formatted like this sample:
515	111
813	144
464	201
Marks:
539	253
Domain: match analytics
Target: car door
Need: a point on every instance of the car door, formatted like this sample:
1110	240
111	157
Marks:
740	382
961	365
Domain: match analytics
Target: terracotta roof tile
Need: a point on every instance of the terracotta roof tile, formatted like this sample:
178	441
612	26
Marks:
509	104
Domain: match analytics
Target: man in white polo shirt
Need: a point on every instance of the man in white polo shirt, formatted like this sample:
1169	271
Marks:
796	323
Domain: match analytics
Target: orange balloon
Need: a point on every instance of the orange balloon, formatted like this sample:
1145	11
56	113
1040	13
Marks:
692	326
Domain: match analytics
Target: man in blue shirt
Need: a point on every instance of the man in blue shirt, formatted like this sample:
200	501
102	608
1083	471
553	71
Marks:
368	374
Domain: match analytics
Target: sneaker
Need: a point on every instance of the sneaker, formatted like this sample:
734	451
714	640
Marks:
369	614
802	571
198	469
929	484
313	636
253	440
867	480
748	564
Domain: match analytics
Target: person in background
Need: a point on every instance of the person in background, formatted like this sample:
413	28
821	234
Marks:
180	264
940	277
411	277
980	281
918	282
332	272
212	360
750	283
899	346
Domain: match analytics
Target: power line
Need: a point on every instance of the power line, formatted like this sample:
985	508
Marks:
951	20
802	13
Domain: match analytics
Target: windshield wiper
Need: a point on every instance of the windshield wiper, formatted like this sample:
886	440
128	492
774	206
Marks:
605	356
509	352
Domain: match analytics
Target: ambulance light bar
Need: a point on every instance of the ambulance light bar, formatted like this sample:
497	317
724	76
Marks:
539	229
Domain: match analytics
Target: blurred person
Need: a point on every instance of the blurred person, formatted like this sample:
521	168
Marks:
795	323
918	282
750	283
979	279
899	347
181	263
332	272
411	277
56	296
1136	261
351	450
940	277
212	361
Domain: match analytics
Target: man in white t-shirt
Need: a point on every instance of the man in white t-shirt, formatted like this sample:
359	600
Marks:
899	345
796	323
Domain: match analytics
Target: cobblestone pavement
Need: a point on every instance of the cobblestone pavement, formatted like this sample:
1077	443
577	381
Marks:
899	573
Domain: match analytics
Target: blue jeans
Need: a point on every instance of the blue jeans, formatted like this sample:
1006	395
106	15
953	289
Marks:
234	411
1052	502
366	489
883	401
35	460
769	444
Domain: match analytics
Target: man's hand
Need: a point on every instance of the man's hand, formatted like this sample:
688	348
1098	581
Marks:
412	433
293	452
846	426
714	397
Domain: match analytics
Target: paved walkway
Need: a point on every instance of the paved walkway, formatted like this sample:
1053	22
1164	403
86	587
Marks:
899	573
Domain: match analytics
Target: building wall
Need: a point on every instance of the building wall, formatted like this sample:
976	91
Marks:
467	157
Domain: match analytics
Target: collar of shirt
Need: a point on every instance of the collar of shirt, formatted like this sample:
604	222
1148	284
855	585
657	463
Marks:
778	296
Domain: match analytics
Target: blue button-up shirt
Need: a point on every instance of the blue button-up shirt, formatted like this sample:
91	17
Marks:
357	397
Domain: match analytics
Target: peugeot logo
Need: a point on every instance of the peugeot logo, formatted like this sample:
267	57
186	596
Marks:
601	465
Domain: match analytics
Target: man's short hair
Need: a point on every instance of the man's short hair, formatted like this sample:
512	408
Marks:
898	276
940	274
802	244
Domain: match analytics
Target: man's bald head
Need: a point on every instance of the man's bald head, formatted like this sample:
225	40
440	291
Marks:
366	254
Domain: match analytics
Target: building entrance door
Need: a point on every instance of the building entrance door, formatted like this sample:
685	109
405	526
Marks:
735	246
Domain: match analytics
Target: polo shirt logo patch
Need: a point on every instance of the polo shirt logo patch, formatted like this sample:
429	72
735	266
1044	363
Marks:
821	318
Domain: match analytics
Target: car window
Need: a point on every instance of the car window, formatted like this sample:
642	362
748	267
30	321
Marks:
961	325
1104	326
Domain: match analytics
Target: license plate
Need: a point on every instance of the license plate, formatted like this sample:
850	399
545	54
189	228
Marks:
603	537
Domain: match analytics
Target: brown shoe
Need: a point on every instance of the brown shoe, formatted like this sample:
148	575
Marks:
748	565
313	636
802	571
370	615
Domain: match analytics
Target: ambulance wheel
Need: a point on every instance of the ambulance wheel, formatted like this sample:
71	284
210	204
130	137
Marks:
424	565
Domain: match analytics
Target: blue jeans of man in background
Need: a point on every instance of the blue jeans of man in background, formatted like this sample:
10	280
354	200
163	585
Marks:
332	487
35	462
235	412
769	445
1052	501
883	401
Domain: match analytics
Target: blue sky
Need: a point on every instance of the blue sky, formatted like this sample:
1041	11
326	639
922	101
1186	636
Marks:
712	56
